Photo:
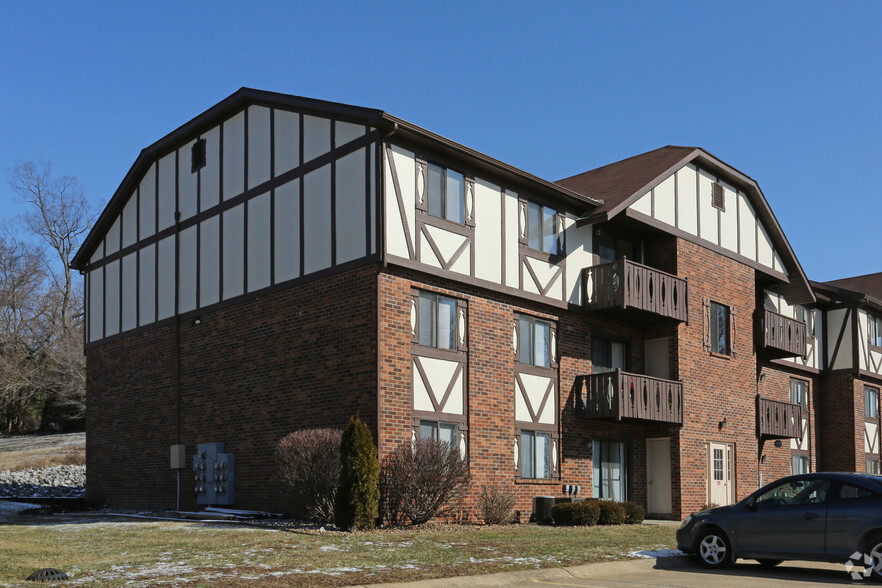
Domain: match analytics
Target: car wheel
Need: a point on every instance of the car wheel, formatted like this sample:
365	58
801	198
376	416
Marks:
769	563
874	550
714	549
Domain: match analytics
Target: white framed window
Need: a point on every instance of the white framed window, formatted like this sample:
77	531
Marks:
799	464
437	321
872	465
439	431
608	355
875	330
806	315
541	234
799	392
446	193
535	341
535	454
871	403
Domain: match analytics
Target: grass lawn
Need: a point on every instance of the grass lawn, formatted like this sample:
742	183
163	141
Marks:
103	553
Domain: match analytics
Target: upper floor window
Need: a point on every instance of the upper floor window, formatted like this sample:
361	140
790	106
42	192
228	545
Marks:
446	194
609	248
875	330
534	341
437	321
806	315
540	228
720	341
607	355
871	403
799	393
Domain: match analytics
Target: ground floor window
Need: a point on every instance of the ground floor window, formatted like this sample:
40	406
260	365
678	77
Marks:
610	470
872	465
438	431
799	464
535	454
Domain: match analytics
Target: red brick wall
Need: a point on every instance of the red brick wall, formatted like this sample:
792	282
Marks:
842	420
716	387
251	372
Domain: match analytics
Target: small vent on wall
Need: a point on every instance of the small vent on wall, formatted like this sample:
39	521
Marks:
197	156
718	196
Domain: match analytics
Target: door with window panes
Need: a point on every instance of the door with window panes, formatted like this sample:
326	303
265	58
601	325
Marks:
721	489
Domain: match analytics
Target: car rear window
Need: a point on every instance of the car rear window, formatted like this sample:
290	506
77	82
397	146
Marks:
849	492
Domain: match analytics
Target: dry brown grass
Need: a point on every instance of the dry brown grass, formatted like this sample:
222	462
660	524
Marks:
26	460
22	453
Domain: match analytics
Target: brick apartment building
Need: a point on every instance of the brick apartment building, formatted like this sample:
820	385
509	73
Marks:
643	330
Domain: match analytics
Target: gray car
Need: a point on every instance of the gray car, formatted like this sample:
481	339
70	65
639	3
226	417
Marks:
833	517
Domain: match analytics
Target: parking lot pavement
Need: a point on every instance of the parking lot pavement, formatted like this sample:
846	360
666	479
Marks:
663	572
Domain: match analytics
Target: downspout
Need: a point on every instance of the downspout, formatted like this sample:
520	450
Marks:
178	348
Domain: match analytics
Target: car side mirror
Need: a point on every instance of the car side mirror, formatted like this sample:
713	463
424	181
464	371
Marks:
751	504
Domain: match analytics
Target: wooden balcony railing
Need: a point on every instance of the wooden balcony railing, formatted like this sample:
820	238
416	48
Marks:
782	336
625	284
778	420
621	395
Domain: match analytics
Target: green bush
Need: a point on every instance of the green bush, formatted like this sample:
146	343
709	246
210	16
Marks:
583	513
634	513
358	496
611	513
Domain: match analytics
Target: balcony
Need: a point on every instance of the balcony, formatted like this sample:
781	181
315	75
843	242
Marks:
624	284
621	395
778	420
781	336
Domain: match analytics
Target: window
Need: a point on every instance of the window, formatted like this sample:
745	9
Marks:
607	356
535	454
799	393
795	493
446	194
849	492
535	341
719	328
805	315
438	431
610	480
609	248
872	465
871	403
799	464
540	228
437	321
197	156
875	329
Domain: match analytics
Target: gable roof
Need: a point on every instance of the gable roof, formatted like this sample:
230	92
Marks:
866	289
382	121
622	183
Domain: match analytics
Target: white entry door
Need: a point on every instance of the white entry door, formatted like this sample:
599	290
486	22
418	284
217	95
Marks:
658	476
721	490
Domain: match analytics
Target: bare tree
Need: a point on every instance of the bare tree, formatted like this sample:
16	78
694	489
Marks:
42	366
57	213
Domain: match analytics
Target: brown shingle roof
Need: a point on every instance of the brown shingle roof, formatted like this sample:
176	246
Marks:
617	182
869	284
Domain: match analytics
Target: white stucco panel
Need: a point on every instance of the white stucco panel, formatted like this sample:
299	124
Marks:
448	244
665	205
765	250
488	231
399	215
729	219
835	319
534	389
643	204
871	438
548	276
579	248
511	239
687	205
706	212
439	375
747	222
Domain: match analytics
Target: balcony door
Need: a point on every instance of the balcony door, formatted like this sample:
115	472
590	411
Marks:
658	358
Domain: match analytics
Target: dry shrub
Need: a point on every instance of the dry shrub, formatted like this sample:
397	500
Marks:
634	513
422	481
611	513
496	504
309	468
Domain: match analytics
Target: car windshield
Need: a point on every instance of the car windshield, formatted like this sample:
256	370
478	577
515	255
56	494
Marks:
794	492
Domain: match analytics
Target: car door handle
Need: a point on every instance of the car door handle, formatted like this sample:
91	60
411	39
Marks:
810	515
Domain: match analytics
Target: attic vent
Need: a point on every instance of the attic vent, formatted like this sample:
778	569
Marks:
197	156
718	199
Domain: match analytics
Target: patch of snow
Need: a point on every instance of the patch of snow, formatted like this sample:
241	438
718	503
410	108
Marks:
655	554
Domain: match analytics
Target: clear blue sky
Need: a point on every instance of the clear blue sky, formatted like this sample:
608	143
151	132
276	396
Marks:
787	92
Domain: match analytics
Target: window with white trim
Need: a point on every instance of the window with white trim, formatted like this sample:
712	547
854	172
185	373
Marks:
799	392
541	234
446	193
439	431
437	321
875	330
610	475
535	341
535	456
871	403
720	339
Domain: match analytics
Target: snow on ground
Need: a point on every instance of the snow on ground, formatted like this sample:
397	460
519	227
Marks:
655	554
